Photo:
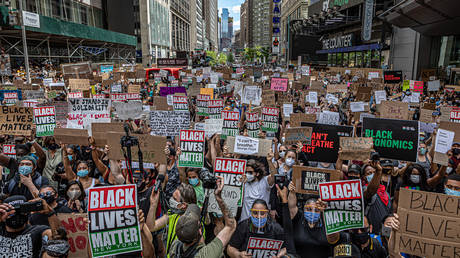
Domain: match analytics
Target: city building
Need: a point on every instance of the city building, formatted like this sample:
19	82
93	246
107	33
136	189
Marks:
211	13
180	26
224	23
290	10
197	25
230	27
261	20
245	32
67	31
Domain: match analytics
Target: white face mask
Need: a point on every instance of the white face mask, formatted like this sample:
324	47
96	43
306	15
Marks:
415	179
250	177
282	154
290	162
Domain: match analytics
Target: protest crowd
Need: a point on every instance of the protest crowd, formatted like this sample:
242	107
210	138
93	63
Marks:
228	162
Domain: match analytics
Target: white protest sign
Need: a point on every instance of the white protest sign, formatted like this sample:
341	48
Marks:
380	95
288	109
246	145
444	140
313	97
252	95
168	123
434	85
213	126
357	106
199	126
329	118
415	97
170	99
130	109
83	112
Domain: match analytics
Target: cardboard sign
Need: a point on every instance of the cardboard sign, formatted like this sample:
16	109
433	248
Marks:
355	148
270	119
122	233
430	223
345	205
297	118
83	112
394	110
99	131
126	110
231	123
380	95
192	147
298	134
306	179
443	143
392	76
337	88
207	91
288	109
33	94
71	136
215	107
152	147
325	140
252	124
45	119
9	150
263	247
393	139
16	120
246	145
202	104
426	116
268	98
134	88
264	145
169	123
77	234
279	84
364	94
180	103
231	170
79	84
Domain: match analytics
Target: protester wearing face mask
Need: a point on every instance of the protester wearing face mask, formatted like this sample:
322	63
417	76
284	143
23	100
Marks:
452	185
423	159
290	160
53	158
82	174
305	228
27	181
173	179
17	234
256	186
178	203
49	194
76	197
259	224
376	198
195	182
23	150
367	246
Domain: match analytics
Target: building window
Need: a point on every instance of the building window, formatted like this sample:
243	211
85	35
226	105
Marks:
345	59
84	14
57	8
351	59
367	58
359	60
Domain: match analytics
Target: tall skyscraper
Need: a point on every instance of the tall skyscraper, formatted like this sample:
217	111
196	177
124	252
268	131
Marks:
230	27
197	25
224	33
211	13
180	25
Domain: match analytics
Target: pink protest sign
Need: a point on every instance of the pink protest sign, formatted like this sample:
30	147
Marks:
417	86
279	84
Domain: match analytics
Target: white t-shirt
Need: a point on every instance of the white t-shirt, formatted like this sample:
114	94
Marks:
252	191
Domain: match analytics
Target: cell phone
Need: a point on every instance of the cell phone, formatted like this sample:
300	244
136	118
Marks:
386	232
280	180
28	207
375	156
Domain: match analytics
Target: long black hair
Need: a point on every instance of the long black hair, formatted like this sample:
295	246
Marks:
423	177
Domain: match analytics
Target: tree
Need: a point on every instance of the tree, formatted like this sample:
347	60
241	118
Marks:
212	55
230	57
222	58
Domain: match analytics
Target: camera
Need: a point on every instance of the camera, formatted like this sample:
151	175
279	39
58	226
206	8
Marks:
375	156
28	207
281	181
209	180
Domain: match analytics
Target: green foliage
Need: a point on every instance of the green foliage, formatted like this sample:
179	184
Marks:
230	58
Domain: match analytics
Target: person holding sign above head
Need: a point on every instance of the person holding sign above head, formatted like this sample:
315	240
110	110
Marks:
305	229
258	236
194	180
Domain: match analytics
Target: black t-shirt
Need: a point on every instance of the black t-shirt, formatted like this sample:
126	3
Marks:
373	250
42	219
310	242
26	243
143	199
245	230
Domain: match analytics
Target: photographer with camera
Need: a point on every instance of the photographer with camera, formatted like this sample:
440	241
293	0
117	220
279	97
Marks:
190	231
16	235
50	195
27	181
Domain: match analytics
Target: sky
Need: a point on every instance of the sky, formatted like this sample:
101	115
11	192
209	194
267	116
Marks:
233	7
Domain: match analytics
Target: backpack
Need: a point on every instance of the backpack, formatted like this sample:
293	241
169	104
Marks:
13	182
191	252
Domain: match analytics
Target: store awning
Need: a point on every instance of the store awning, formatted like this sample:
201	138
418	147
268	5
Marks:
429	17
350	49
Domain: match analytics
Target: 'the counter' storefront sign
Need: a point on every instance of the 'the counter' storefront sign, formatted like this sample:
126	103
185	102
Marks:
338	42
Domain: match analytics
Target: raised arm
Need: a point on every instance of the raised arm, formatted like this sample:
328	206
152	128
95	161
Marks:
230	223
375	182
70	175
292	200
41	155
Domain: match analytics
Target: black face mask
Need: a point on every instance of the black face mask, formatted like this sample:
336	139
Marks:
53	146
17	221
360	238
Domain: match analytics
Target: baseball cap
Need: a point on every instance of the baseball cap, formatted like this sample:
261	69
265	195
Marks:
28	157
15	200
387	163
188	225
354	168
